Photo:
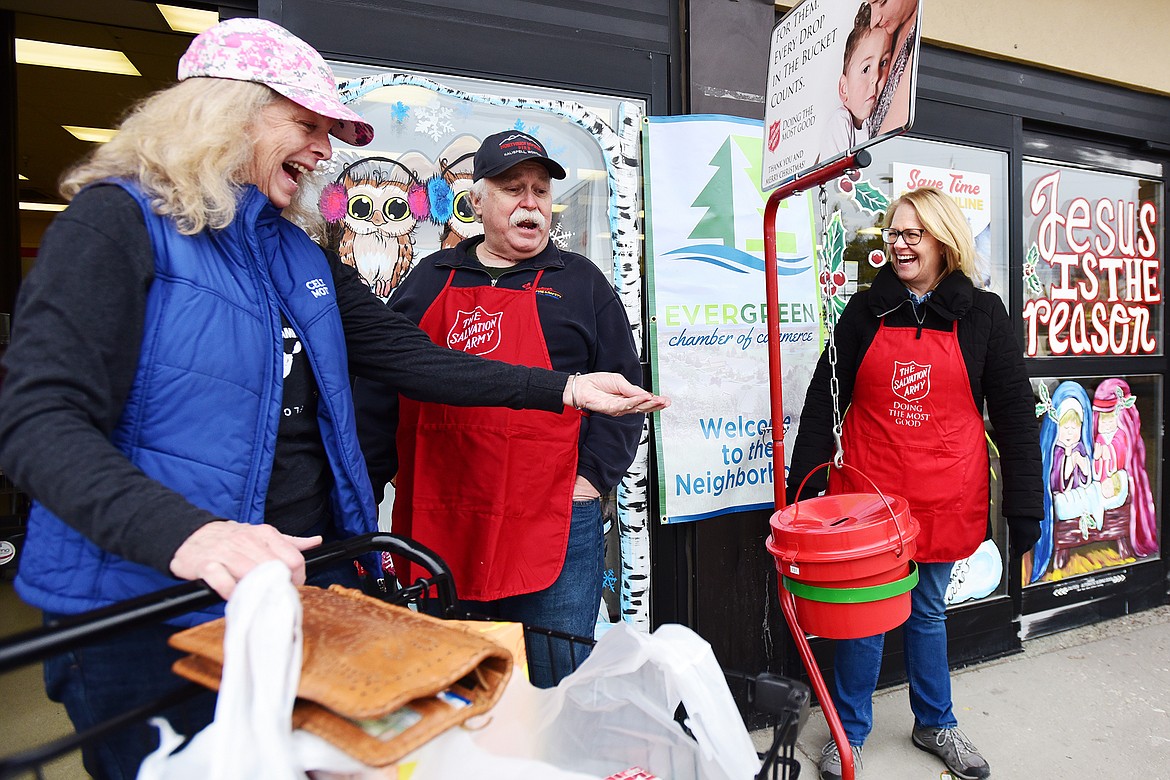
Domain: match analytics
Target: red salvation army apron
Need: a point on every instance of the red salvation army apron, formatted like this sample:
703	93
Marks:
914	430
489	489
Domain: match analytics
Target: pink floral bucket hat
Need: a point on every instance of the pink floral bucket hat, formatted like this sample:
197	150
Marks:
261	51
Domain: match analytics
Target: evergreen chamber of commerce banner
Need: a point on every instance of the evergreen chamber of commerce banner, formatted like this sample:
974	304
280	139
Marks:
709	331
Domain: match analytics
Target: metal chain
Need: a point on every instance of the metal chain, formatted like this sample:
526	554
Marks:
826	309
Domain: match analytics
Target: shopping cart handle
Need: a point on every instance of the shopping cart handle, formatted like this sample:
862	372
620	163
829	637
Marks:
782	696
69	632
440	580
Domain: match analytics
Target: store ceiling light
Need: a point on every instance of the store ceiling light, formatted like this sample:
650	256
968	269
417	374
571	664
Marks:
32	206
187	20
22	177
98	135
61	55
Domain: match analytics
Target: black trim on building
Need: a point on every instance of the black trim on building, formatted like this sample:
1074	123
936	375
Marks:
620	48
1044	96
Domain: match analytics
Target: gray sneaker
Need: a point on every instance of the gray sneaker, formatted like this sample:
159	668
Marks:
830	765
955	750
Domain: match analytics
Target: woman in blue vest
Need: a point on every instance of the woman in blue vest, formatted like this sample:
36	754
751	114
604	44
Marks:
177	399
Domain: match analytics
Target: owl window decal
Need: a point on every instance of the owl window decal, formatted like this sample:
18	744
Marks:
378	202
440	120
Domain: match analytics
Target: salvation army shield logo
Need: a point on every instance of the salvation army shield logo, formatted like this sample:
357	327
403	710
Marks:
911	381
476	331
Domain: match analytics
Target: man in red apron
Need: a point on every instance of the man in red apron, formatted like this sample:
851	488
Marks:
511	499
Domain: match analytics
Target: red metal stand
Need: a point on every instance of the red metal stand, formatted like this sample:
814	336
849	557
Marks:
787	603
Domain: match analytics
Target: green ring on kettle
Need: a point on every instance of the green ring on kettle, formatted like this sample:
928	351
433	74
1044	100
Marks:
862	595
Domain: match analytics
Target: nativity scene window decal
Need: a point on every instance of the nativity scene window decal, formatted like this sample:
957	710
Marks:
1099	499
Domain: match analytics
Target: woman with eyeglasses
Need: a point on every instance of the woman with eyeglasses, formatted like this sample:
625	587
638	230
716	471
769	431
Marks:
919	354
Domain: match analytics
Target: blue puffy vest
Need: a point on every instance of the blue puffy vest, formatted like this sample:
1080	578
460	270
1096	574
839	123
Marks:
203	412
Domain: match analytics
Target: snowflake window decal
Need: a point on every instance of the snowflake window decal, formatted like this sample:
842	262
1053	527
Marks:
434	122
559	236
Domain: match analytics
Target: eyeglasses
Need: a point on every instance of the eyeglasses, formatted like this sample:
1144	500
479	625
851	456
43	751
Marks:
910	235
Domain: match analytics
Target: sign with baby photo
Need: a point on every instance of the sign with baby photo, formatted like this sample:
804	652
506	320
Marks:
841	76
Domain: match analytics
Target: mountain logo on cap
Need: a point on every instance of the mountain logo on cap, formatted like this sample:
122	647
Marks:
521	144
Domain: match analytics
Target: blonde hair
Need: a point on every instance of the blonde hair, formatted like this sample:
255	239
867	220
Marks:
942	218
188	146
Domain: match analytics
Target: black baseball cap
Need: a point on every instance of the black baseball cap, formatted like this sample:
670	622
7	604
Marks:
500	151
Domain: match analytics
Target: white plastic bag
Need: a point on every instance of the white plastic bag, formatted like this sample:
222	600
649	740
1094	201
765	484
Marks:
251	736
617	711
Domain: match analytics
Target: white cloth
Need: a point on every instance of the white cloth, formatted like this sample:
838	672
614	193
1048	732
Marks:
840	135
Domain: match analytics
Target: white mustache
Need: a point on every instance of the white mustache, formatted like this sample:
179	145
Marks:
527	215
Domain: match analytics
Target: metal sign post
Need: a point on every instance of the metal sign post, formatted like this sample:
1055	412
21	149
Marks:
824	105
856	161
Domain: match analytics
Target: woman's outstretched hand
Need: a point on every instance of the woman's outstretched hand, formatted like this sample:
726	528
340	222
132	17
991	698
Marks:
611	394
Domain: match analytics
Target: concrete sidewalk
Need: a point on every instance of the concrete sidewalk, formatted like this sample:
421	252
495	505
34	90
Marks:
1092	702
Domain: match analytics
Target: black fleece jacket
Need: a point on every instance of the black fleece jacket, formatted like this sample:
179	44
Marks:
995	367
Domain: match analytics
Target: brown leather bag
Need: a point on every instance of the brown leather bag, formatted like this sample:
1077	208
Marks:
377	680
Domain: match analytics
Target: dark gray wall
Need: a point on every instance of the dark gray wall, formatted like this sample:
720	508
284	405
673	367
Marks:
727	56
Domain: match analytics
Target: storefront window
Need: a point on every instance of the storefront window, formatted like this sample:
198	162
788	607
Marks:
1092	262
410	187
976	178
426	130
1092	287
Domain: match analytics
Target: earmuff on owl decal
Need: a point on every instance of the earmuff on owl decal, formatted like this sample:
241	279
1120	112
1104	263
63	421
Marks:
456	167
456	204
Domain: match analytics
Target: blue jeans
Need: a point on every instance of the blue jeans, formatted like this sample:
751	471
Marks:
99	681
102	680
569	605
858	662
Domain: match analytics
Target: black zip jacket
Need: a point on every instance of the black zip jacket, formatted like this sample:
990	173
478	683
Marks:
995	367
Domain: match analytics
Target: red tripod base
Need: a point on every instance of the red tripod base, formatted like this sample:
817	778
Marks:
788	607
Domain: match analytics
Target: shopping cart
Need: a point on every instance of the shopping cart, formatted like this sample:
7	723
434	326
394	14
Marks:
783	700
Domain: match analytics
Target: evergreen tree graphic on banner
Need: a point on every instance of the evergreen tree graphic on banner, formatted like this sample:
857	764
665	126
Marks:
718	198
717	225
